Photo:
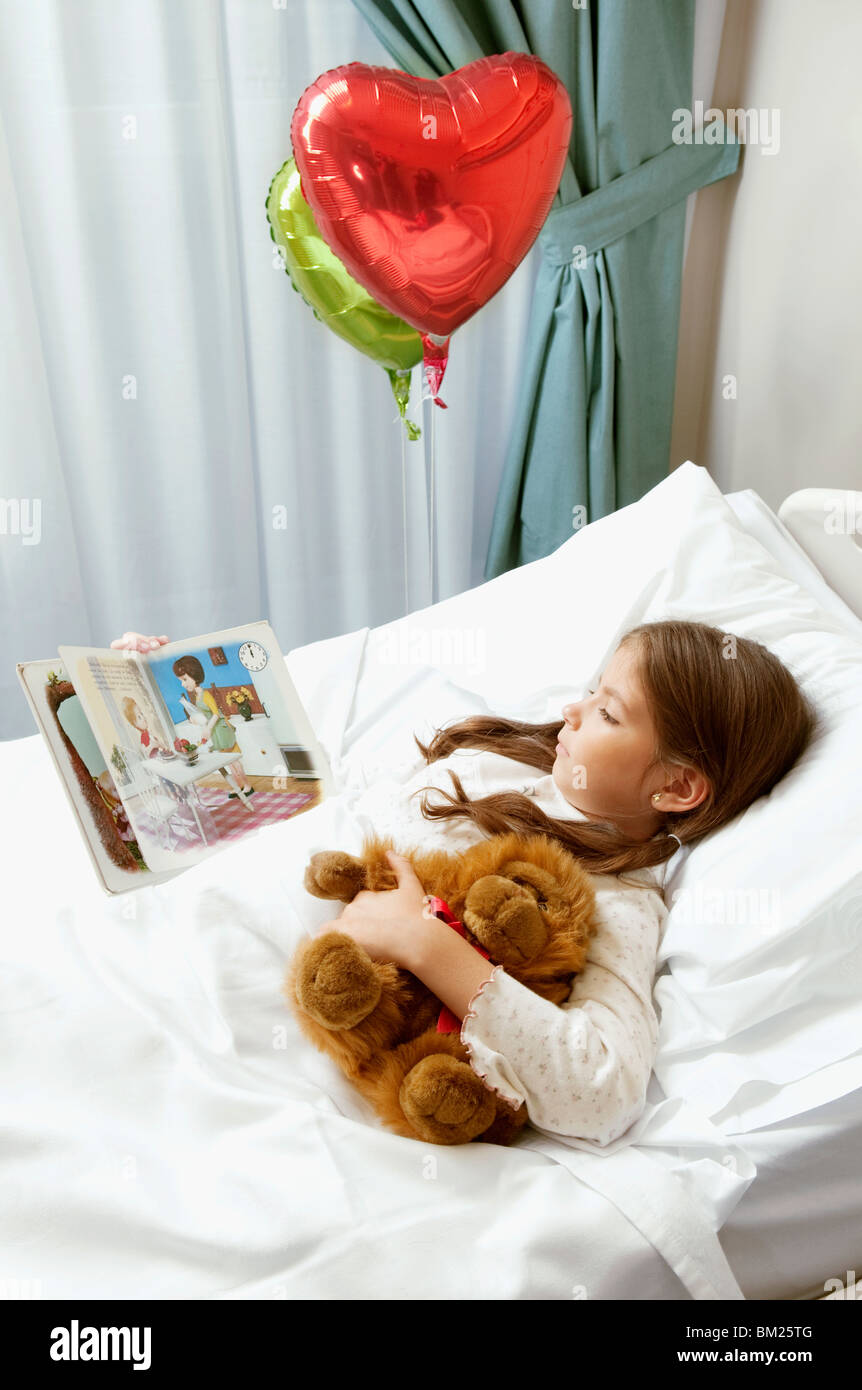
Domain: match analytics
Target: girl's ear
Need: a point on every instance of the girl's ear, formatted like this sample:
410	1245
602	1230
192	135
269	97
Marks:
687	790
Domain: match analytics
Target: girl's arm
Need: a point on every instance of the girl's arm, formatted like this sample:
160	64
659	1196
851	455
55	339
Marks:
446	963
394	925
581	1069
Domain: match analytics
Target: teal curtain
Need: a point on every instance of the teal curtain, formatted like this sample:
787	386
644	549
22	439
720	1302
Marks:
593	420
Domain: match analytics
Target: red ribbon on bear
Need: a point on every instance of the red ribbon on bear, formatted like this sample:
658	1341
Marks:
446	1020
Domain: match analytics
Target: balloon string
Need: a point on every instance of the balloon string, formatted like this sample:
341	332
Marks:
433	504
403	434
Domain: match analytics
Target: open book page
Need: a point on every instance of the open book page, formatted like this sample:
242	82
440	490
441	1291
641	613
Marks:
88	777
207	738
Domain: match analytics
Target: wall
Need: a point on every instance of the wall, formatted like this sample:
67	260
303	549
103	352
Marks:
772	280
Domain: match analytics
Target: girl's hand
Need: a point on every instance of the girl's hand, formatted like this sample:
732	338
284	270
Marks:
134	642
388	923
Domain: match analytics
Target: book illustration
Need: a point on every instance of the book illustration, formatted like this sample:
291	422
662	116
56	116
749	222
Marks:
89	767
90	783
134	733
202	708
203	742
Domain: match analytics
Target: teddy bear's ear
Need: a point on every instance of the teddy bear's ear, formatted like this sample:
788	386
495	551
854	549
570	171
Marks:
537	880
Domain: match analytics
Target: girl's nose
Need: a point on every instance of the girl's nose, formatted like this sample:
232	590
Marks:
570	713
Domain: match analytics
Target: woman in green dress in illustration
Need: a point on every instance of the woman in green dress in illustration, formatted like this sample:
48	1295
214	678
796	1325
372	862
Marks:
219	729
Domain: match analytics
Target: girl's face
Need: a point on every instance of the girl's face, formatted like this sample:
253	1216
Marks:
188	683
140	721
606	749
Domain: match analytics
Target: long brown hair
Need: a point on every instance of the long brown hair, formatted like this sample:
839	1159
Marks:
722	704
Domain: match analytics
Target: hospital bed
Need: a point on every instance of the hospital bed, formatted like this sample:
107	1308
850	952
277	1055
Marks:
170	1134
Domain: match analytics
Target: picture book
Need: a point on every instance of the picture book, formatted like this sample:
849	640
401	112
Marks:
169	756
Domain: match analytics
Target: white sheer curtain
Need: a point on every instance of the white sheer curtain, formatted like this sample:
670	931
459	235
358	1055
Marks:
163	389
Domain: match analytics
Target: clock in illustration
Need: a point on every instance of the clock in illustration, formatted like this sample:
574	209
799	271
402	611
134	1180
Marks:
253	656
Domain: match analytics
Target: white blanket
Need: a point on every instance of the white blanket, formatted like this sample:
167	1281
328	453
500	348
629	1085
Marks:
170	1134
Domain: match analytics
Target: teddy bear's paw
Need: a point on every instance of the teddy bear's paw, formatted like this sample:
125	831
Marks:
336	982
445	1101
333	874
505	917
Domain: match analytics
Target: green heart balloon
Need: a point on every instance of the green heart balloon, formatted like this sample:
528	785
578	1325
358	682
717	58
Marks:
332	293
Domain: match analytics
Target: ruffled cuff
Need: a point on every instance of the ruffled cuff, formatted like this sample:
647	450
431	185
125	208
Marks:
479	1055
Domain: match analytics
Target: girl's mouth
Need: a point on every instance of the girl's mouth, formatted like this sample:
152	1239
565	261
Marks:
561	749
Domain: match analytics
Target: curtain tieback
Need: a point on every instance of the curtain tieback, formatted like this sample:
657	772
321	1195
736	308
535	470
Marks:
616	209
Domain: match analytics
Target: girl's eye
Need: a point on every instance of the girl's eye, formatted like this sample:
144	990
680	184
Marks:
603	712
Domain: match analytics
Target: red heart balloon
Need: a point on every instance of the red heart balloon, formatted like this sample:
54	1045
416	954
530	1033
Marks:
432	192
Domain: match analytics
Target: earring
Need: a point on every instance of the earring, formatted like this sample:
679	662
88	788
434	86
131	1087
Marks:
657	796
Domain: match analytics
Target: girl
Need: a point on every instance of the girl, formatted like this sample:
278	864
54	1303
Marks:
151	743
687	726
219	729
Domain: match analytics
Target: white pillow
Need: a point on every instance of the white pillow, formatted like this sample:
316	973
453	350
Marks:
749	1008
760	521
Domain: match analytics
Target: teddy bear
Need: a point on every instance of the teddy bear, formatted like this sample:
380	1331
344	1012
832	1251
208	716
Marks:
522	900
